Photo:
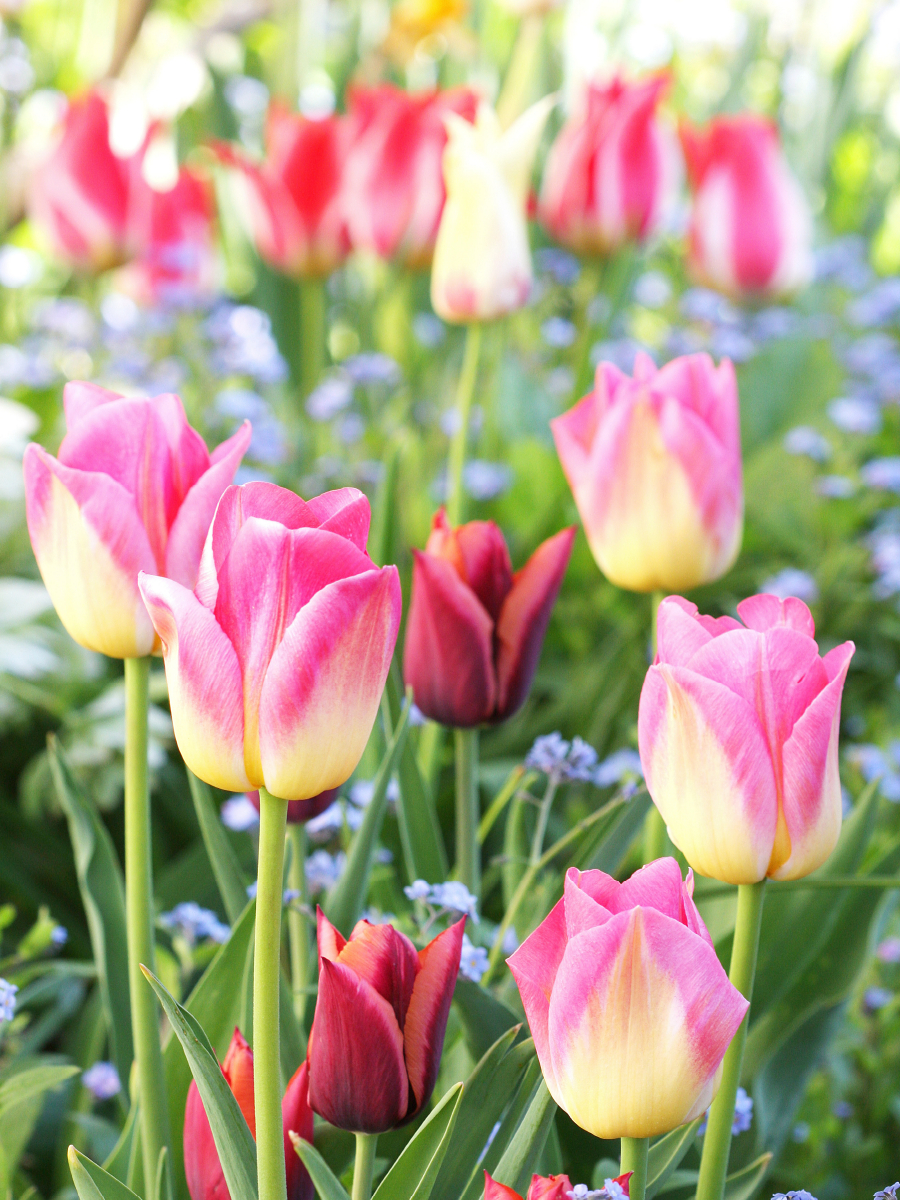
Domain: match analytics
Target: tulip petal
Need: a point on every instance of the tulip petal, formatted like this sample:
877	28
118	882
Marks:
549	1187
324	683
584	910
679	632
690	915
297	1117
387	960
767	612
651	1009
657	885
331	941
205	1177
90	546
345	511
498	1191
524	618
238	1071
534	967
190	527
448	655
357	1075
81	398
204	678
710	772
429	1007
485	562
811	798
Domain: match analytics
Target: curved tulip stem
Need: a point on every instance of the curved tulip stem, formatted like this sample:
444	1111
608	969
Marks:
298	931
464	392
537	845
312	333
266	979
468	857
364	1166
634	1159
139	919
717	1142
656	839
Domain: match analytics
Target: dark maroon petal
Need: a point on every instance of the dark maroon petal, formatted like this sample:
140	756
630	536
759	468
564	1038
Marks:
485	558
298	1118
426	1018
387	960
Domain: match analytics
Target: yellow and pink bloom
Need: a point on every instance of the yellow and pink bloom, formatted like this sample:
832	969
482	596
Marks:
277	660
133	489
654	464
738	732
630	1009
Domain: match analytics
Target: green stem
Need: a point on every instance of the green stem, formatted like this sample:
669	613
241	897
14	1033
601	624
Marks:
537	845
464	391
312	332
523	69
266	979
468	859
139	918
298	931
717	1142
634	1159
656	839
364	1166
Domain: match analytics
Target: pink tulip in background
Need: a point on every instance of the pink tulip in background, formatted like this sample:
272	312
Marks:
630	1010
176	264
738	732
614	170
550	1187
293	199
394	186
277	660
133	489
654	464
751	229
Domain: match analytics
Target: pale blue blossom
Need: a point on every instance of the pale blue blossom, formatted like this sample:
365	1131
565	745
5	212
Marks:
195	924
835	487
792	582
7	1000
419	889
102	1080
807	442
239	813
473	961
856	414
323	870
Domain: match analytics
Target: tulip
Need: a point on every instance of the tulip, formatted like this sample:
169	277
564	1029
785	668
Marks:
176	263
133	489
300	811
751	229
394	192
475	629
277	661
654	463
553	1187
614	170
82	196
629	1007
294	198
379	1025
738	736
205	1178
482	263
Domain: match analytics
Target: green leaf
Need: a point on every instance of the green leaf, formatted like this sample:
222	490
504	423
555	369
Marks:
234	1141
484	1017
119	1160
292	1042
347	898
520	1158
508	1126
609	844
666	1155
413	1174
324	1180
222	858
26	1085
742	1184
103	896
93	1183
22	1108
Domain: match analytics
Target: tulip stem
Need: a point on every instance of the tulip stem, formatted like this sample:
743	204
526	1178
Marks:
298	932
364	1166
266	978
312	333
524	67
139	918
634	1159
540	832
656	839
468	858
717	1142
464	391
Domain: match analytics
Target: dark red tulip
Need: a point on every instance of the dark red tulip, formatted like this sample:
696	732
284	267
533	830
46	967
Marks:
378	1030
475	629
205	1178
303	810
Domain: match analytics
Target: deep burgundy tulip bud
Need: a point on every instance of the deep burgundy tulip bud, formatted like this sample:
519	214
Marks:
475	629
300	811
378	1031
205	1178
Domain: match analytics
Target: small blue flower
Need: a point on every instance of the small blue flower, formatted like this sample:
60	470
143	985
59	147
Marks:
102	1080
558	332
369	370
428	330
805	441
455	896
618	766
835	487
842	1110
194	923
323	870
652	289
329	398
882	473
802	1194
792	582
419	889
743	1113
239	814
891	1192
564	268
486	480
856	414
7	1000
59	935
473	962
875	998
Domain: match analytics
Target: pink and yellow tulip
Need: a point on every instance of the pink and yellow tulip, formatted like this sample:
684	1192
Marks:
629	1007
133	489
379	1026
738	732
654	464
277	660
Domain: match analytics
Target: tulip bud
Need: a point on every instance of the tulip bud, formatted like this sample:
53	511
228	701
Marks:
751	229
277	661
205	1177
629	1007
654	464
482	263
133	489
614	171
738	735
378	1031
475	630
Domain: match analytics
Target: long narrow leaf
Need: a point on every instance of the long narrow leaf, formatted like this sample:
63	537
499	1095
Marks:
26	1085
742	1184
222	858
520	1158
413	1174
666	1154
93	1183
326	1183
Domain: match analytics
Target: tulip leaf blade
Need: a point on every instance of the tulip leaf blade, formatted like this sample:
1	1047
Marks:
484	1017
222	858
666	1154
93	1183
346	899
520	1157
121	1155
414	1173
326	1183
234	1141
606	849
742	1184
102	888
29	1084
